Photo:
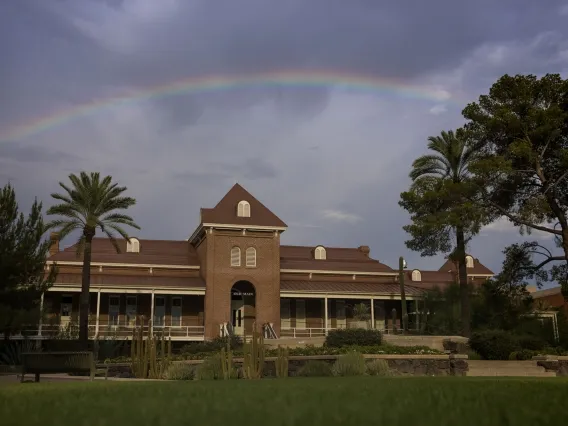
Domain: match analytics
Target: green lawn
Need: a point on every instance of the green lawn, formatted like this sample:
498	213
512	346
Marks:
357	401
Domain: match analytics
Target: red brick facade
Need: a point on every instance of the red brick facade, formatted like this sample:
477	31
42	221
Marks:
200	272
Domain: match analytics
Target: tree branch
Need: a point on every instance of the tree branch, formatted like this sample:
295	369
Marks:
516	220
550	259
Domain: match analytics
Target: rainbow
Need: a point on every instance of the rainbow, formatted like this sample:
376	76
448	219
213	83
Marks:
215	83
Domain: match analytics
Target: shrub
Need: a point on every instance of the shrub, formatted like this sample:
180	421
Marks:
353	336
180	371
532	343
214	345
313	368
522	355
210	369
494	344
350	364
378	367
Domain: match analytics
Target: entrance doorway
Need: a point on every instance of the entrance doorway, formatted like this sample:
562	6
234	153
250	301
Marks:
243	307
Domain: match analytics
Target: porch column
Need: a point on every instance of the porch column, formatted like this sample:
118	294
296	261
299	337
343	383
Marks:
40	324
98	313
372	313
325	315
152	314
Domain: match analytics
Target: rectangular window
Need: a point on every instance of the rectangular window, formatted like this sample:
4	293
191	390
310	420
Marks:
176	311
159	311
285	313
131	308
113	310
340	314
300	313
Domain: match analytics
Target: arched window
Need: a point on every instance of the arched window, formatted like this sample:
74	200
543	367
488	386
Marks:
319	253
469	262
235	256
251	257
243	209
416	275
133	246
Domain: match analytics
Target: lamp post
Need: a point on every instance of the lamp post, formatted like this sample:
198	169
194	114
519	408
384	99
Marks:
401	267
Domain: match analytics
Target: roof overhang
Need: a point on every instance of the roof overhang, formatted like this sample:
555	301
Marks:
335	295
230	226
327	272
108	288
124	265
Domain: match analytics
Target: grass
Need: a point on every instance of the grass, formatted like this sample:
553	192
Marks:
341	401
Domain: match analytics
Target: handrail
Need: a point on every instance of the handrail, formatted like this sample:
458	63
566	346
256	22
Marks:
269	332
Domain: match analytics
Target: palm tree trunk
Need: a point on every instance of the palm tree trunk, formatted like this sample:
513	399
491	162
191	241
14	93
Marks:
85	286
464	286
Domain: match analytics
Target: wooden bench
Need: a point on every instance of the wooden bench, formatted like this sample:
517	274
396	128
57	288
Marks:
57	362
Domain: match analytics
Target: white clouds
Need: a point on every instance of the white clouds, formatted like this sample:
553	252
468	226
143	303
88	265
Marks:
438	109
563	10
340	216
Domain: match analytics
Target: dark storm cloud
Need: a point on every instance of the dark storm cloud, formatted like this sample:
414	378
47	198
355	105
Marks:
35	154
213	172
311	155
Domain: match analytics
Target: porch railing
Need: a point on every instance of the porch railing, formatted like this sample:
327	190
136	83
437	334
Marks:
109	331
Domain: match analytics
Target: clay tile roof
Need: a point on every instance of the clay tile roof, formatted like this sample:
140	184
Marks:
478	267
225	212
546	292
348	287
152	252
337	259
430	279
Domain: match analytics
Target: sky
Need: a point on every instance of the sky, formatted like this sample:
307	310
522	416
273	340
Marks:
340	98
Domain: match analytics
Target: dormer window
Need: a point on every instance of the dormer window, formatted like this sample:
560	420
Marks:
416	275
133	246
243	209
320	253
469	262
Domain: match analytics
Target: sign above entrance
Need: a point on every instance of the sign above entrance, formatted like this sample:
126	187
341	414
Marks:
241	293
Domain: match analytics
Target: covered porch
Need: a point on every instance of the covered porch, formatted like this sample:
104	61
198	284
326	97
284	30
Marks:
309	315
116	313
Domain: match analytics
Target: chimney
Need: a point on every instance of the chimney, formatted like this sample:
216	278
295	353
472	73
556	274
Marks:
54	246
365	250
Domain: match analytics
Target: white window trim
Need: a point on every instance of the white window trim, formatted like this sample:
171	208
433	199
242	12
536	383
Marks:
252	263
243	209
320	253
235	261
133	245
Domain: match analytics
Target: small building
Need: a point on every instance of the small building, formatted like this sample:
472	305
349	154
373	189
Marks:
231	273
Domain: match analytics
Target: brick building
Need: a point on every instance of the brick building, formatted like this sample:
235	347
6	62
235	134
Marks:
232	273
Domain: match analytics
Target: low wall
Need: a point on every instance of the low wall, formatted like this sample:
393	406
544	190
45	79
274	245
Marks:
433	342
404	365
407	365
557	364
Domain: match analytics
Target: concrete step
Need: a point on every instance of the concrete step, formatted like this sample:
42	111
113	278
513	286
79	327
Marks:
507	368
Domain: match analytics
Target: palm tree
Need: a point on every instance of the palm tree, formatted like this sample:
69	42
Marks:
450	162
90	203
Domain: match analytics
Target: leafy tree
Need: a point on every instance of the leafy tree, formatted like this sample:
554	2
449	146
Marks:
90	203
521	130
23	254
440	207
